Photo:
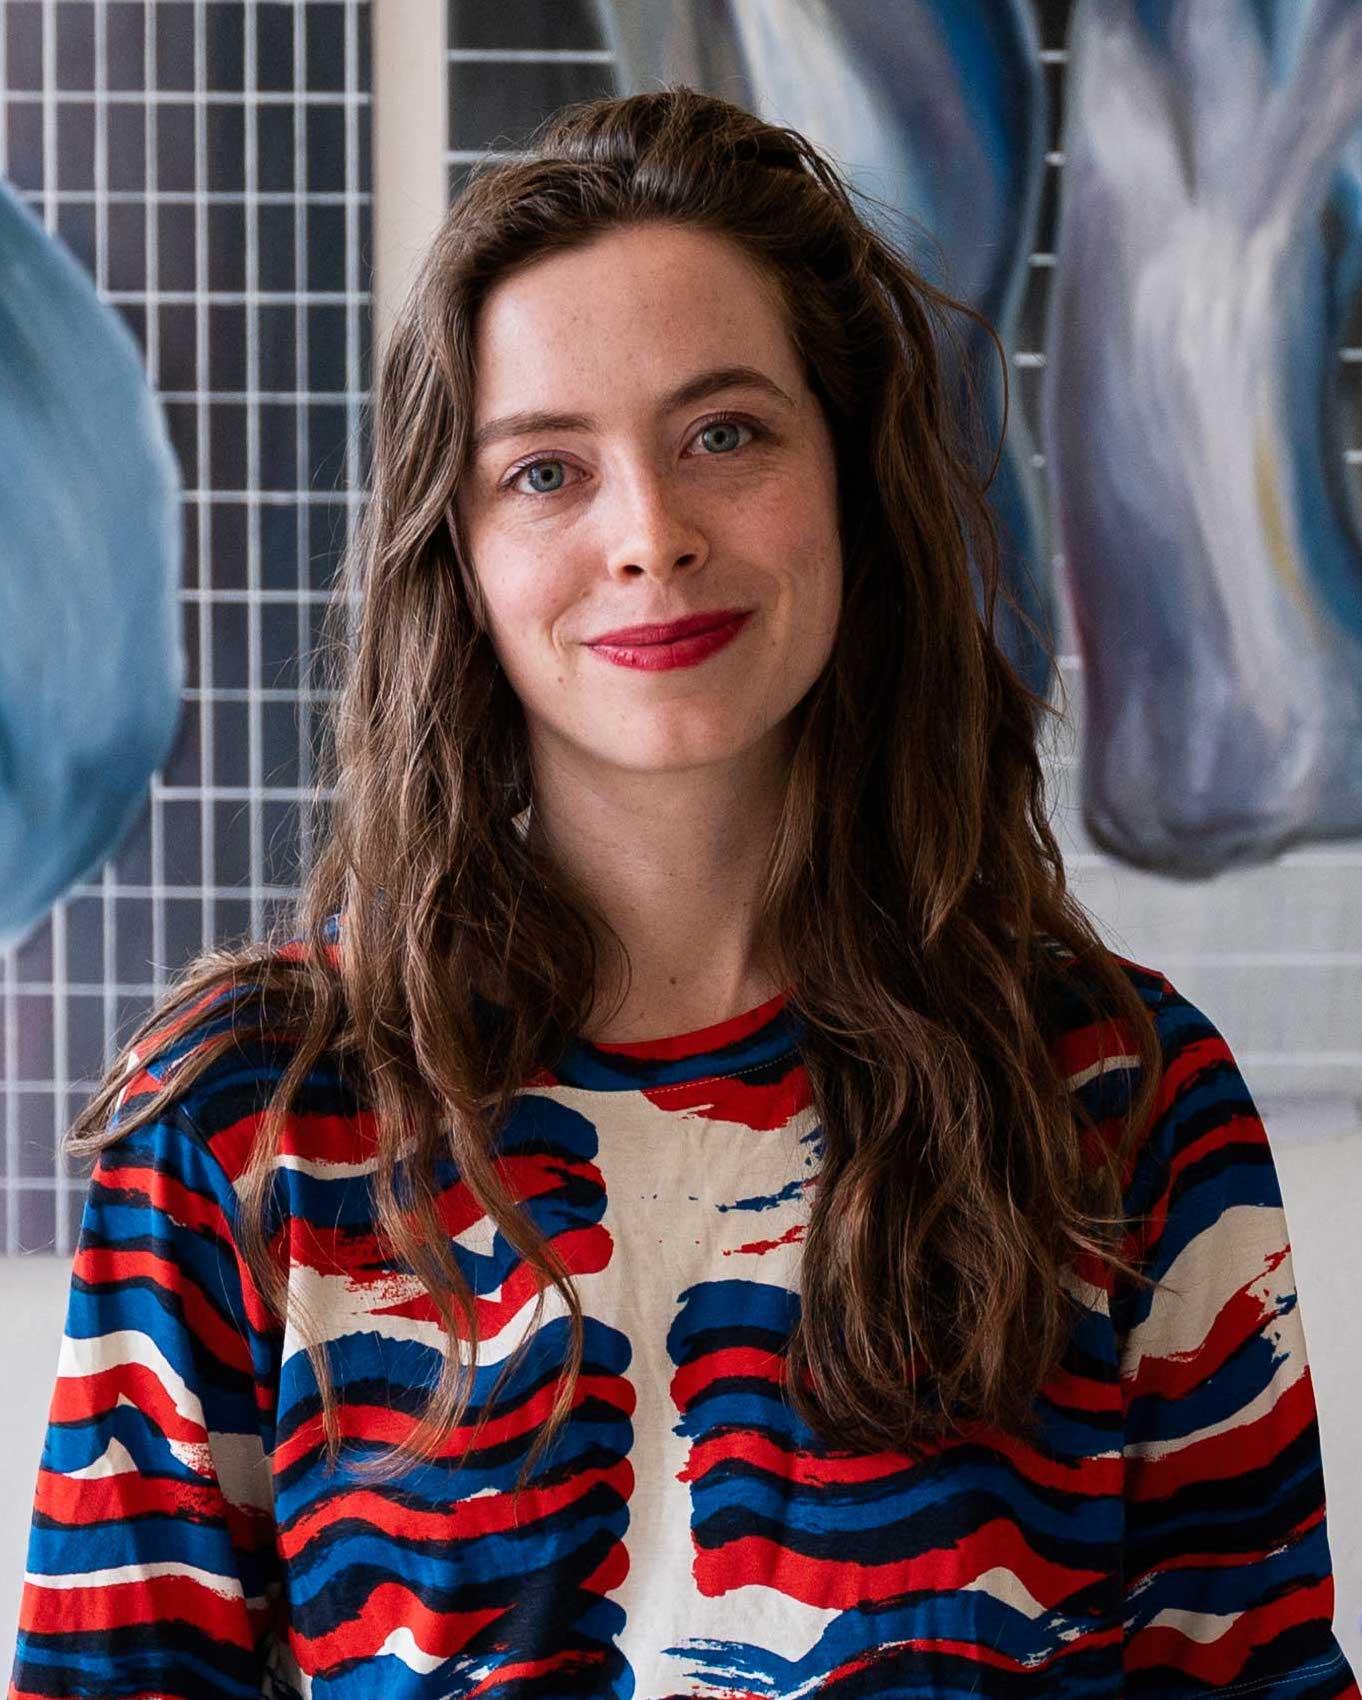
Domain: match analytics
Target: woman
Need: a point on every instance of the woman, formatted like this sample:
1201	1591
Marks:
687	1207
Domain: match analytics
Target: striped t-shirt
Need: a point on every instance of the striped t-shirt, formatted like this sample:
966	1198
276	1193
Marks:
1164	1535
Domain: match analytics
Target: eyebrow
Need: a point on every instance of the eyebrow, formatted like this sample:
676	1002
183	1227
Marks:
692	390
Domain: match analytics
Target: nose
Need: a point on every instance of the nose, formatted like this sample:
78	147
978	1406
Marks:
652	526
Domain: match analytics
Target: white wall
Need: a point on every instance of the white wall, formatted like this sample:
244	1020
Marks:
32	1317
1321	1182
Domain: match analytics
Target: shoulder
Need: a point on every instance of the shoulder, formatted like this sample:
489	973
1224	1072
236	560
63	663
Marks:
1088	1036
1198	1075
1203	1134
1082	1022
1199	1169
226	1055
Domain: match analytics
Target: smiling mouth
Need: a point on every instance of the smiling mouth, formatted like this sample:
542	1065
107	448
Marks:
662	643
646	636
687	650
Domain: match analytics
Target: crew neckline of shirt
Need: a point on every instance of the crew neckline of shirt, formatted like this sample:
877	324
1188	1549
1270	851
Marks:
742	1044
750	1044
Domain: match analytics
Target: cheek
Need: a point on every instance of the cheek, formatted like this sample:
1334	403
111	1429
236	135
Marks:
813	543
819	591
524	602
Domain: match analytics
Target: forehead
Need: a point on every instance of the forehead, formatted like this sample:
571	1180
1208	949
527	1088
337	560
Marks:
627	311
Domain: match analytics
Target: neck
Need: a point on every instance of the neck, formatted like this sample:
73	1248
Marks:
675	864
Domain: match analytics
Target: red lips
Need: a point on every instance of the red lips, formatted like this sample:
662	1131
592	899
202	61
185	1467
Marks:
669	631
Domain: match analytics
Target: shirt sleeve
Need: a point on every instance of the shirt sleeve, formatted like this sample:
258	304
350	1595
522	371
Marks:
152	1563
1228	1585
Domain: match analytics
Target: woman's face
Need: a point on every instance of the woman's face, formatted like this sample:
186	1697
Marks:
627	502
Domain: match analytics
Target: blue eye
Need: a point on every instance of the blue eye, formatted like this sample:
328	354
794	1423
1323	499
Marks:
535	466
719	425
721	422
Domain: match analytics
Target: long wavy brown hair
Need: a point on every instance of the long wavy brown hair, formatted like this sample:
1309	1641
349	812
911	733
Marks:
914	887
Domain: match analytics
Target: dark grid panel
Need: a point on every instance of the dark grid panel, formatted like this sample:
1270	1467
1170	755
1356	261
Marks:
510	66
209	164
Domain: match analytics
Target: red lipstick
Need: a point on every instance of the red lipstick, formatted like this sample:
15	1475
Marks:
668	630
678	643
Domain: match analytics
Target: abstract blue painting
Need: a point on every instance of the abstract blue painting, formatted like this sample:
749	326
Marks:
91	665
